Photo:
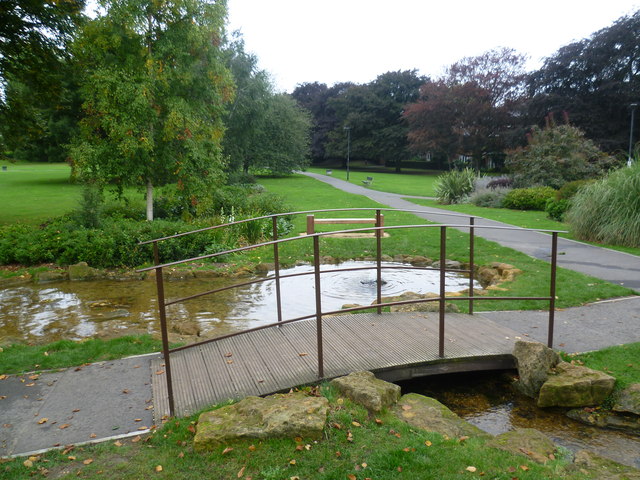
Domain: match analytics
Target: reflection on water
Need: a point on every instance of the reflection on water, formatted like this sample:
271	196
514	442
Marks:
488	401
74	310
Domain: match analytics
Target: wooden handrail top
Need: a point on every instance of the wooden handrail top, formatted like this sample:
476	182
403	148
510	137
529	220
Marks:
344	220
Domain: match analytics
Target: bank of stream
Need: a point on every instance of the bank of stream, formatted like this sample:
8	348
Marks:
488	401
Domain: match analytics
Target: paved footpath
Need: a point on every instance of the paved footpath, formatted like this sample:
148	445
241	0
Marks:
108	400
611	265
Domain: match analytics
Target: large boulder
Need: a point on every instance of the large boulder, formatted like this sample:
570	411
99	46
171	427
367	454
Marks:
433	306
81	272
429	414
533	360
525	441
276	416
629	400
603	468
367	390
606	419
575	386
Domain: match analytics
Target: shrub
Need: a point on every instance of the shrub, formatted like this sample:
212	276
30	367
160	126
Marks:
454	186
528	198
608	210
502	182
556	155
556	209
569	189
489	199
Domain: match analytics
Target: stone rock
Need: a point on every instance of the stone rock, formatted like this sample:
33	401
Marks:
419	261
603	468
606	419
49	276
275	416
386	258
417	307
9	282
431	415
112	315
81	272
328	260
488	276
575	386
525	441
448	264
186	327
367	390
533	360
629	400
264	268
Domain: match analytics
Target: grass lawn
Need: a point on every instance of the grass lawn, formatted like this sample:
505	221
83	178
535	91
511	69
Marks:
308	194
354	445
519	218
414	183
34	192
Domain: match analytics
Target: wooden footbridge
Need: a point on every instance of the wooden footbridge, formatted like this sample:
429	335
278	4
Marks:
287	353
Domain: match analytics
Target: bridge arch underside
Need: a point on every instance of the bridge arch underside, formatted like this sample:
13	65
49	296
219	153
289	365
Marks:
396	346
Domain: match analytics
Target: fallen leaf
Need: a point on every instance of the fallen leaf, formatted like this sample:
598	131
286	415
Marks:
524	468
407	407
63	426
34	377
252	448
406	449
88	461
137	419
336	425
192	429
338	454
159	372
227	450
378	421
71	457
136	439
28	463
43	420
428	443
118	443
125	391
75	410
399	469
158	468
228	354
292	462
144	427
364	465
356	424
307	447
229	362
463	438
303	354
3	377
241	472
298	439
299	448
511	469
93	435
30	384
351	476
181	455
471	469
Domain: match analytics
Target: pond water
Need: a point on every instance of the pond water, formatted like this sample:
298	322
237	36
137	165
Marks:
488	401
75	310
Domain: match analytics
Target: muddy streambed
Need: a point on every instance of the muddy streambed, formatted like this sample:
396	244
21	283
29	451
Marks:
488	401
75	310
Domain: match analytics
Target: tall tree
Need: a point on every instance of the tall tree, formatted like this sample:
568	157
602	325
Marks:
594	80
474	110
155	89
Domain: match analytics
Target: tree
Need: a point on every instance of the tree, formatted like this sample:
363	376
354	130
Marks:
556	155
374	114
155	90
473	110
594	80
33	36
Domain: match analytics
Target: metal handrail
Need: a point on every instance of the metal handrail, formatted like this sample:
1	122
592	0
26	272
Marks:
319	313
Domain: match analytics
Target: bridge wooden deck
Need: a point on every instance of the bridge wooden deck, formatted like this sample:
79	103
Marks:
393	345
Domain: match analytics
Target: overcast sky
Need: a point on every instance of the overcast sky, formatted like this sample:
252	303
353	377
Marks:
332	41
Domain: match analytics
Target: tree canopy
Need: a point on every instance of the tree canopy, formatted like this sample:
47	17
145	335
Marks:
155	89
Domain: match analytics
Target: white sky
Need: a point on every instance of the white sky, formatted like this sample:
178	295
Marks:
332	41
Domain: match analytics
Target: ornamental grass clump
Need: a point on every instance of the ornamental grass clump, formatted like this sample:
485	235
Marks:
455	186
608	210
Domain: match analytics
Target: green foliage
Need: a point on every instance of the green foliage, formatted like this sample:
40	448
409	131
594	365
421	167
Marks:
454	186
155	90
621	361
528	198
491	199
569	189
608	210
89	213
556	155
555	209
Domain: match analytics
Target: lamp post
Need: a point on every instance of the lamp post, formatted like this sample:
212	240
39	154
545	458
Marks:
348	129
633	115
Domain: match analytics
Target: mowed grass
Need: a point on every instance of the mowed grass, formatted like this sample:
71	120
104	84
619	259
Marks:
32	193
308	194
518	218
413	183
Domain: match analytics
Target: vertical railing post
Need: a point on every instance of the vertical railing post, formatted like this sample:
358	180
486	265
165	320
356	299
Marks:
316	263
471	262
379	260
276	262
552	288
443	261
163	328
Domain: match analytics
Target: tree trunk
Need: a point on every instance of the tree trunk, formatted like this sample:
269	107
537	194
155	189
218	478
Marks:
149	200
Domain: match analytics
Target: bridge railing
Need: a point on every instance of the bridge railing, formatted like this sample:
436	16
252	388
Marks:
317	273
